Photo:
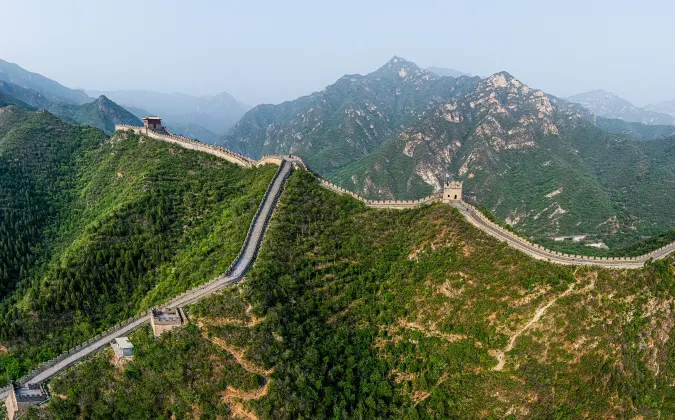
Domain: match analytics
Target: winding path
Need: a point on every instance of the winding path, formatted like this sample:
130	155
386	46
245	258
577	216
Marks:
256	233
236	273
540	253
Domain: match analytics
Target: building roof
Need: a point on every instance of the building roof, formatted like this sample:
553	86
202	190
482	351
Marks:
124	343
166	316
151	117
30	393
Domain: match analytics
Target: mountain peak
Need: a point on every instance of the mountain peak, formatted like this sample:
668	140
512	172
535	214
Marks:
102	99
399	68
502	79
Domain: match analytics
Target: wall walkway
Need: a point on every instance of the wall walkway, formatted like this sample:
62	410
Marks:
472	215
479	220
256	232
234	273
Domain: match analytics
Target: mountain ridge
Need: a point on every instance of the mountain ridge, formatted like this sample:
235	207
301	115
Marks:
101	113
609	105
206	117
400	131
50	89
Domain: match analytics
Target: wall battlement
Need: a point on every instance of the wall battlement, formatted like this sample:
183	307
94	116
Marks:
452	194
229	155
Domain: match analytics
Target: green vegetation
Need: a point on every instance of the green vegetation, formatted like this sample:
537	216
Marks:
179	373
104	229
534	161
635	129
375	314
101	113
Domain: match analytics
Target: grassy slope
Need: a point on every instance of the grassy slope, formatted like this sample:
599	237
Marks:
138	221
377	314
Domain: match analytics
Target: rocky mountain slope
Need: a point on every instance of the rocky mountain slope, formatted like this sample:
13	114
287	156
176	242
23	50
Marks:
349	119
536	161
608	105
50	89
202	117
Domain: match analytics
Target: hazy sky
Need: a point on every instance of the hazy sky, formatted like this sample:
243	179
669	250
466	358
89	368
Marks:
271	51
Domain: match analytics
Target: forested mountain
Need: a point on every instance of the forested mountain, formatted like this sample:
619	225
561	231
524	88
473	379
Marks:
6	100
534	160
93	230
203	117
352	312
635	129
101	113
51	90
608	105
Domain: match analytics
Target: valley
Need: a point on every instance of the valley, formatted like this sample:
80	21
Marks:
538	162
341	327
409	243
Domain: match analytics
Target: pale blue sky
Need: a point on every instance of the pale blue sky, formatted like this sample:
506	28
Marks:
270	51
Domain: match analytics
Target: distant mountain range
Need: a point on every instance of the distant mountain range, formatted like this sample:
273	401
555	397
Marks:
101	113
51	90
440	71
667	107
203	117
536	161
608	105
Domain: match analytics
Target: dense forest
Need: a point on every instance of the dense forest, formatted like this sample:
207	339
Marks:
352	312
95	230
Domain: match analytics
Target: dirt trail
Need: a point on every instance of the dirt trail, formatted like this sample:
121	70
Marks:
232	395
252	322
239	412
239	356
501	356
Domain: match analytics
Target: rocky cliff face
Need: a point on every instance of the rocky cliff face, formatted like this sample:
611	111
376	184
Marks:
537	161
349	119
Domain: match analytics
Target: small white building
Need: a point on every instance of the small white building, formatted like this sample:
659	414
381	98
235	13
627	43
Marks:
122	347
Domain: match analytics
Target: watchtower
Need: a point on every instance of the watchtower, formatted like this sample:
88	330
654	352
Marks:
452	191
152	122
166	319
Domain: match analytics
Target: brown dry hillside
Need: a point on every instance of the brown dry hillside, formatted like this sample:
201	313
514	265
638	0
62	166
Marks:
366	313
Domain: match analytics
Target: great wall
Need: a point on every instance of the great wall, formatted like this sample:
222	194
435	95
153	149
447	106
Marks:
256	233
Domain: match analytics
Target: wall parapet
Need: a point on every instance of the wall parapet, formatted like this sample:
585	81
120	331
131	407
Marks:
219	151
144	317
383	204
227	154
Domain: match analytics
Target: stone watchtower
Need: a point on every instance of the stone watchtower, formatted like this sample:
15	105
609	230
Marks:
452	191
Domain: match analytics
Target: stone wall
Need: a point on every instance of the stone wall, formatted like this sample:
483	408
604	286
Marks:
454	188
560	256
229	155
382	204
187	143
